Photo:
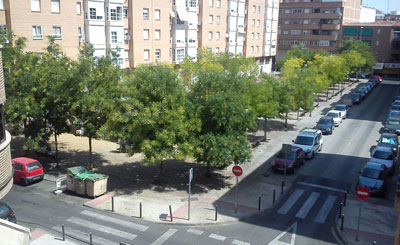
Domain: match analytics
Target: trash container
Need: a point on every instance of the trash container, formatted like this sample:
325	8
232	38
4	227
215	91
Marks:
72	172
96	185
80	185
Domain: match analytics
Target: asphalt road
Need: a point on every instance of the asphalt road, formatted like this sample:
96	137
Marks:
305	215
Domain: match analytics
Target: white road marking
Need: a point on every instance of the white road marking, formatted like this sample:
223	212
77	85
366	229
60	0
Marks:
164	237
290	201
115	220
326	208
195	231
322	187
102	228
84	236
217	237
238	242
293	238
305	209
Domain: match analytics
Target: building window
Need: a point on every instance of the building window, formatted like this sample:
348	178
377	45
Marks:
259	9
297	11
78	8
286	22
211	3
37	32
377	42
92	13
379	30
193	3
80	34
125	10
323	43
258	22
180	54
157	14
158	34
256	49
35	5
305	33
287	11
210	19
218	19
113	13
146	54
285	32
55	6
157	54
258	36
119	13
114	37
210	34
295	32
252	49
254	8
252	36
218	3
127	37
146	13
316	10
179	21
253	22
57	32
2	4
306	11
350	31
305	22
217	50
146	34
217	34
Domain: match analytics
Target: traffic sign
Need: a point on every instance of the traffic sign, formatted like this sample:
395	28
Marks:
362	192
237	170
190	175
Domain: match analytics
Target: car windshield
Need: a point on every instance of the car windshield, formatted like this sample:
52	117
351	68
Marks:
303	140
395	108
4	211
385	140
33	166
371	173
394	114
393	122
356	96
340	108
324	121
383	155
291	155
333	114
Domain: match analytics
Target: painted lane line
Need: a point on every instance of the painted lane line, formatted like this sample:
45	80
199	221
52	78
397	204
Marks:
102	228
238	242
322	187
326	208
115	220
84	236
195	231
164	237
217	237
276	240
290	201
305	209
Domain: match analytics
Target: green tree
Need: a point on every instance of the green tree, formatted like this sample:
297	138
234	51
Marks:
361	47
284	93
301	52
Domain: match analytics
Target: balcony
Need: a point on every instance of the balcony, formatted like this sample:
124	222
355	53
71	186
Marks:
335	27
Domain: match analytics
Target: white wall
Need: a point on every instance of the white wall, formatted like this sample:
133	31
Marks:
367	15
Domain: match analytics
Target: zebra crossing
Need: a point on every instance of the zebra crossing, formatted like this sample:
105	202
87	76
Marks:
307	200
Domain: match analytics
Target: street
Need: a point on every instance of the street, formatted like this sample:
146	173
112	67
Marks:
306	214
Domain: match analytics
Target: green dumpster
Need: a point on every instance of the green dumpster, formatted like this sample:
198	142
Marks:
80	184
71	173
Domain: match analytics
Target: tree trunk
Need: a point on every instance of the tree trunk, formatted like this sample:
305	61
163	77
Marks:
286	119
298	112
208	171
91	165
327	94
160	174
55	141
265	126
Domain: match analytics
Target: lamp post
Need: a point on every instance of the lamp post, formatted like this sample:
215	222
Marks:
361	30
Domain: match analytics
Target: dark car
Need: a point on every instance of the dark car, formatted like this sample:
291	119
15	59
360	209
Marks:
342	108
378	78
392	125
291	161
395	108
356	98
390	140
363	92
374	177
326	125
7	213
27	170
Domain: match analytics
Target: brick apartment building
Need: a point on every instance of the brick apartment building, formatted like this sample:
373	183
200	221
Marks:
314	23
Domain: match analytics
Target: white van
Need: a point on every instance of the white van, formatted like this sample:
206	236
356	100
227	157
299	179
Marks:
310	141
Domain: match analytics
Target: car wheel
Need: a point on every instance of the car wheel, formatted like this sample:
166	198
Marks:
312	155
294	169
320	149
25	182
303	161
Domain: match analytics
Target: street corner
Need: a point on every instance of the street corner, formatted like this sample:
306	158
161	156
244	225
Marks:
100	200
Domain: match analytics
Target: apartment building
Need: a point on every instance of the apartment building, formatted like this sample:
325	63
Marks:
235	32
6	171
37	19
270	35
254	29
315	24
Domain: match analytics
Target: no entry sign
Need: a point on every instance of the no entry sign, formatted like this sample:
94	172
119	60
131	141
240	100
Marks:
362	193
237	170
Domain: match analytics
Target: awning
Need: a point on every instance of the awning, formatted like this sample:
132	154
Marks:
172	13
392	65
182	13
378	66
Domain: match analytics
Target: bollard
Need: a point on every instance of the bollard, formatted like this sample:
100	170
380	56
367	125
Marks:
283	184
374	243
345	198
340	210
140	209
216	212
63	232
112	203
259	203
341	224
90	238
273	197
170	212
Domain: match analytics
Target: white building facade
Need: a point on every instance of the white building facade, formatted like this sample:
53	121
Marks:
271	18
235	35
367	15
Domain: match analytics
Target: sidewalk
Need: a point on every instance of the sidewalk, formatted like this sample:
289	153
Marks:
39	237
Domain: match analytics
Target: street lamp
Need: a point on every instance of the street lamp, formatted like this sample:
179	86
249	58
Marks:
361	31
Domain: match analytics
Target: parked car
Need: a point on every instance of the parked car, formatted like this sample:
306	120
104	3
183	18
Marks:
363	92
370	86
389	140
374	177
310	141
397	98
384	155
392	125
378	78
336	115
326	125
27	170
372	83
356	98
7	213
395	108
393	114
291	161
396	103
344	109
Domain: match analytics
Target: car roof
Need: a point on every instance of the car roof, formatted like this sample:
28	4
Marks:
340	105
383	148
335	111
374	165
326	117
309	132
23	160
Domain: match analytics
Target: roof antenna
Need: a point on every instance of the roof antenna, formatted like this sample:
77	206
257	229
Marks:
387	10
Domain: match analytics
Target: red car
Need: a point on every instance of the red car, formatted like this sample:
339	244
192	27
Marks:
378	78
27	170
292	161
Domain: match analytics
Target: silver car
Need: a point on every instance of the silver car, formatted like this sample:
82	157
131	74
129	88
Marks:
384	155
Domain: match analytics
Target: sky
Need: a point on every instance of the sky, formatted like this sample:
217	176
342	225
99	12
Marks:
382	5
